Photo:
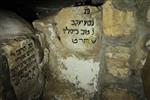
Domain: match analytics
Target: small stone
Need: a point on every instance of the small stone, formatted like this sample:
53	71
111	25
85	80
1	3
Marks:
118	52
117	68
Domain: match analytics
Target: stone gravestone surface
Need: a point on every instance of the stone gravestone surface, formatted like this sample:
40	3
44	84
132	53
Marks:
23	67
73	38
20	66
79	31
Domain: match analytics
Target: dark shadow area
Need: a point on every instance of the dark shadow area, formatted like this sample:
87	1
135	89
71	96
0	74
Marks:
33	9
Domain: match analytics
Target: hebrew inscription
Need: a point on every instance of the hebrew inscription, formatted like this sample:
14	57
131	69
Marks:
22	62
79	28
87	28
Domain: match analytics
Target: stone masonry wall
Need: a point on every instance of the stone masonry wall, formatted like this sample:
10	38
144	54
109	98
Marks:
123	51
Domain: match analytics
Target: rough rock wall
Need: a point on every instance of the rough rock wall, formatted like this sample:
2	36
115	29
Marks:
96	51
126	30
123	51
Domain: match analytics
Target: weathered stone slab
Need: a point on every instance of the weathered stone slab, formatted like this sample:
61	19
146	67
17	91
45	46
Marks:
23	67
73	38
79	29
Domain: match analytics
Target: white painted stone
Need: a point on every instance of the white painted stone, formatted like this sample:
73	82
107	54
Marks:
82	72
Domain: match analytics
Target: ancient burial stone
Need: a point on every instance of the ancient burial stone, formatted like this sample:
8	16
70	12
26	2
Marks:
123	52
22	74
73	38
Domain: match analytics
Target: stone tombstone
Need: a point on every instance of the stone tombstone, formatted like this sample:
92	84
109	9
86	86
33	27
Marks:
22	65
73	38
23	75
79	29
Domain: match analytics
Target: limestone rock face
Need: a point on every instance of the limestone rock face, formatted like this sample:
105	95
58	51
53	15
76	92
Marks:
116	22
123	51
73	38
